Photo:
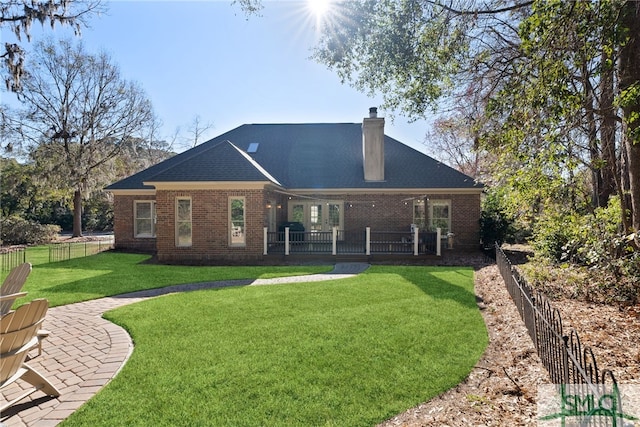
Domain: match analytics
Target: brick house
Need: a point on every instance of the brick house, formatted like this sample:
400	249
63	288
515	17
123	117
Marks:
238	196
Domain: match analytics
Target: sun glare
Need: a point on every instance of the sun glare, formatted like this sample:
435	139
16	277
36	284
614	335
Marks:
319	7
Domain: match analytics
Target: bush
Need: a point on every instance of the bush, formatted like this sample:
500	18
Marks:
590	240
593	241
495	224
555	236
18	231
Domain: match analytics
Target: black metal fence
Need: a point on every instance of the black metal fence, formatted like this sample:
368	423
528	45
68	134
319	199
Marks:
568	363
66	251
10	258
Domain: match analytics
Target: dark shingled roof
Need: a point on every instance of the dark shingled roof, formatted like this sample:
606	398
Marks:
300	156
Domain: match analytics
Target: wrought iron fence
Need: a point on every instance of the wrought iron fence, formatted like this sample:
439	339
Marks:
566	360
65	251
10	258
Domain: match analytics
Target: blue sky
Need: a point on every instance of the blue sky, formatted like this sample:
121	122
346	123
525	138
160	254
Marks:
207	59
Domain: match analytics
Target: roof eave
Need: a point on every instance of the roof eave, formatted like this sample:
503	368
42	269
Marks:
132	191
469	190
210	185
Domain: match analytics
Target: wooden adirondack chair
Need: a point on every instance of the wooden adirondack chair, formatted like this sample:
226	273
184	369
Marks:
11	291
18	334
12	286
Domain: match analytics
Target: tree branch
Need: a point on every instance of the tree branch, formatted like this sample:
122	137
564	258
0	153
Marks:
481	11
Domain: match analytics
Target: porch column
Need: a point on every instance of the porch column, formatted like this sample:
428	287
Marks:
415	241
286	241
368	241
334	238
265	246
438	241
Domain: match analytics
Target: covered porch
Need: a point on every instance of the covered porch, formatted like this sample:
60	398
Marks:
340	242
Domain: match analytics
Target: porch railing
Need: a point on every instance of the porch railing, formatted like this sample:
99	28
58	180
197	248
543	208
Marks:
365	242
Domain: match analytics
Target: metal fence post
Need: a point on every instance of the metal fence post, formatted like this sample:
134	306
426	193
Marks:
438	241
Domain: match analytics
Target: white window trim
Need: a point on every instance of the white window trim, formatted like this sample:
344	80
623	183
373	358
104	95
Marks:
439	202
244	222
178	199
153	219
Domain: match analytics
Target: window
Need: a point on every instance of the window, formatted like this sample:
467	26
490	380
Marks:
334	215
419	214
236	221
183	221
144	213
440	215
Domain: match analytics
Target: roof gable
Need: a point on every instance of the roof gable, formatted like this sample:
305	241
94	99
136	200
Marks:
219	162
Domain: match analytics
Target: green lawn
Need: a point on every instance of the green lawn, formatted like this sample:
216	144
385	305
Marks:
113	273
351	352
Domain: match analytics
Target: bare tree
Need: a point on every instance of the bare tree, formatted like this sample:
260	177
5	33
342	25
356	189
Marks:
19	16
78	113
451	140
197	129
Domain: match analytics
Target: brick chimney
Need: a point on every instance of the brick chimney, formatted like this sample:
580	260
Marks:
373	146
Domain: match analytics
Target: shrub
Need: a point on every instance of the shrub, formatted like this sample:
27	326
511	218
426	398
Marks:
495	224
18	231
554	235
594	241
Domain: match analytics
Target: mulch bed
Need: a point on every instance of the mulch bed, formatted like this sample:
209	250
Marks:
502	388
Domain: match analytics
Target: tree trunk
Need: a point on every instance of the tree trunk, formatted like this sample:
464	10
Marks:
77	213
633	157
610	177
630	79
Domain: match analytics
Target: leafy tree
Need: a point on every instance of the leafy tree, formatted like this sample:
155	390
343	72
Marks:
552	78
629	100
19	16
561	100
78	114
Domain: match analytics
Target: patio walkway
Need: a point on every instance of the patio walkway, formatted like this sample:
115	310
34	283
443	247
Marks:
84	351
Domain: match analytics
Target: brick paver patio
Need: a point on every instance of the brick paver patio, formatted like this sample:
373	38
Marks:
84	351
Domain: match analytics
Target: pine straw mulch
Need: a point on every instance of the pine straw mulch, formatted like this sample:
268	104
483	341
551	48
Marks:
502	388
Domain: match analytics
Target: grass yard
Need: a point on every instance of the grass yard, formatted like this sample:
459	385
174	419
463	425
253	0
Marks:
113	273
351	352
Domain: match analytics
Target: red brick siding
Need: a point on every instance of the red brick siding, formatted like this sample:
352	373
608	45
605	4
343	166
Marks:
123	227
380	212
210	240
465	219
210	226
